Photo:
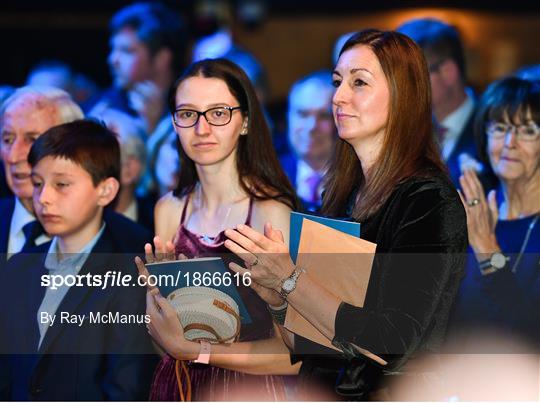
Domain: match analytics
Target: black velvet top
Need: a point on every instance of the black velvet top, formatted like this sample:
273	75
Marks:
421	237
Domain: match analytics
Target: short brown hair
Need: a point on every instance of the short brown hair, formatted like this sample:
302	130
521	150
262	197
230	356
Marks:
86	142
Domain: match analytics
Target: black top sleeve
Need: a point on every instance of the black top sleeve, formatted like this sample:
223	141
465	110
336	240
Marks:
421	240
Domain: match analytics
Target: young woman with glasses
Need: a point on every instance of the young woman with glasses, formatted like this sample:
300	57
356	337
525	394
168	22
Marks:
229	175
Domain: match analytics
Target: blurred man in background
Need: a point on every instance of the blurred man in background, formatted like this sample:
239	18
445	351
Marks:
453	102
147	50
311	135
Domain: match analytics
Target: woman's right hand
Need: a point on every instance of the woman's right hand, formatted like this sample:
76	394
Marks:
268	295
482	215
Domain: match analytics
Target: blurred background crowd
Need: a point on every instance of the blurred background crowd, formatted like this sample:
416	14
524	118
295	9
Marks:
118	59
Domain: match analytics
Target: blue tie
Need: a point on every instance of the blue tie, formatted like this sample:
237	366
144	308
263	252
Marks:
32	231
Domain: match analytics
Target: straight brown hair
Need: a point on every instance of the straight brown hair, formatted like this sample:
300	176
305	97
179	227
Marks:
409	147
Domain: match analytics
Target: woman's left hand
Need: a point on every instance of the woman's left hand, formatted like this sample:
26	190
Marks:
482	215
165	327
267	255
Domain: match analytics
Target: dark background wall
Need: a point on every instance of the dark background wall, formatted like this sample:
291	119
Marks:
291	38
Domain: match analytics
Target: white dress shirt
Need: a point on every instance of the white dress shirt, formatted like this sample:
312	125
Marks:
454	123
21	216
61	265
303	173
132	211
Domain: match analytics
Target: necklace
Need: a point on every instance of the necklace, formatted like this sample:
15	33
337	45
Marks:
525	242
204	236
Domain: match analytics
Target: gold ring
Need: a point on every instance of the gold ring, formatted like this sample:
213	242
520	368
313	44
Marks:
473	202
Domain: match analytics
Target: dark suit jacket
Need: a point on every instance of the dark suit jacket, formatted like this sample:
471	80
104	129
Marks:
91	362
145	214
7	206
467	144
289	163
5	191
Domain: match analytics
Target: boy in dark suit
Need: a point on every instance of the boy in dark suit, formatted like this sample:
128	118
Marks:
70	333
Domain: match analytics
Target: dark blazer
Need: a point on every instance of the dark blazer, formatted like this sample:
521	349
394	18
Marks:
5	191
145	211
289	163
7	206
467	144
91	362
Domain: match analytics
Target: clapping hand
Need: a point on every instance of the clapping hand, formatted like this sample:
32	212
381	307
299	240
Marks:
482	215
164	325
267	257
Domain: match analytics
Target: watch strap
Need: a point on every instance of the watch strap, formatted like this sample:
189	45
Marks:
484	264
204	353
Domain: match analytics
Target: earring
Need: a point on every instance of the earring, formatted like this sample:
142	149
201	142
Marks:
243	132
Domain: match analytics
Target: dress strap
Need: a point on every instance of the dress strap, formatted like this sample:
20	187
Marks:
185	209
250	209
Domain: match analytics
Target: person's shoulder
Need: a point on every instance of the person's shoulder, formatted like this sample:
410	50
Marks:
167	214
429	195
272	211
432	183
7	203
23	264
168	207
169	203
271	207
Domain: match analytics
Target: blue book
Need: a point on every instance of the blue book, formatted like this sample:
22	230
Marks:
200	272
346	226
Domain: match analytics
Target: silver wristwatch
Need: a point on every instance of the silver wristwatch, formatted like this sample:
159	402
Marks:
289	284
497	261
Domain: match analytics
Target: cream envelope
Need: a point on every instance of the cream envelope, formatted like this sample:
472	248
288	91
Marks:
338	261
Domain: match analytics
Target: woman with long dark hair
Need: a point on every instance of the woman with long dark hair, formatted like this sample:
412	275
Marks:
229	175
386	174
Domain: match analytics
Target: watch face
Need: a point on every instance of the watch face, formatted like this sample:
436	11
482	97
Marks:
498	260
288	285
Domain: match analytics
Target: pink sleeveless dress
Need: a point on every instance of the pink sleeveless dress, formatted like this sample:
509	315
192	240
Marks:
209	383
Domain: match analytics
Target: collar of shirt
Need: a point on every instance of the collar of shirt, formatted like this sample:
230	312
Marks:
132	211
73	262
303	173
454	123
21	216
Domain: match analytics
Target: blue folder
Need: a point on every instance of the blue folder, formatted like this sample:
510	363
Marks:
346	226
183	271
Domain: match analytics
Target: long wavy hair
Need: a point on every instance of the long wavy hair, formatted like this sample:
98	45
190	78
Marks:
260	173
409	147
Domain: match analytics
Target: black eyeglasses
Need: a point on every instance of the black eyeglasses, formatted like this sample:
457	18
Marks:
219	116
526	132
